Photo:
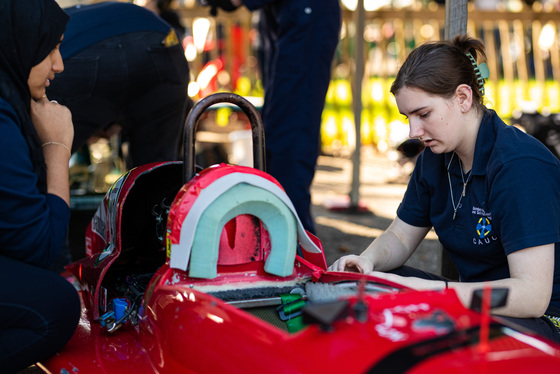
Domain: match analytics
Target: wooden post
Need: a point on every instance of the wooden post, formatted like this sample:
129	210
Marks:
359	22
456	15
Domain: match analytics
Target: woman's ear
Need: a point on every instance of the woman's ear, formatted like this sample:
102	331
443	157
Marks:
464	97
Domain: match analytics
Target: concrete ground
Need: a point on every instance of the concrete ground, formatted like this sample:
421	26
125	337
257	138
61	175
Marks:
381	189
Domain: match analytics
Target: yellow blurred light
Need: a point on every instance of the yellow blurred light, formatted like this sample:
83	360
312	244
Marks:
200	28
243	86
222	116
366	127
427	31
515	5
547	37
342	92
350	4
205	76
377	91
535	93
349	130
372	33
399	4
190	52
369	5
382	146
343	30
193	89
329	128
380	131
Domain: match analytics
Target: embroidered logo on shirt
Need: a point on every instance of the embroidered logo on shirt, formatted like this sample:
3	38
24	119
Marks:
484	234
483	227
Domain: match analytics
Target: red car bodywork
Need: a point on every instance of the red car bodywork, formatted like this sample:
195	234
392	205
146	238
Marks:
162	294
183	328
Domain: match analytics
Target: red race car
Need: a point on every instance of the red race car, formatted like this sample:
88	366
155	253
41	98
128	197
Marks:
212	272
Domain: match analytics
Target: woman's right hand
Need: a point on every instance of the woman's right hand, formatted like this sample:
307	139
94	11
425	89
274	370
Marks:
52	121
352	263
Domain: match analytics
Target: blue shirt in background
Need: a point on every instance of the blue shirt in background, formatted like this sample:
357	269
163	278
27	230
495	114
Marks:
90	24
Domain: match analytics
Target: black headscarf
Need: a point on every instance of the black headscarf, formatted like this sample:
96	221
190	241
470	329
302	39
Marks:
29	31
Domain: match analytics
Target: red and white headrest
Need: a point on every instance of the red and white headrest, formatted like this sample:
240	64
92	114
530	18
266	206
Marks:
211	199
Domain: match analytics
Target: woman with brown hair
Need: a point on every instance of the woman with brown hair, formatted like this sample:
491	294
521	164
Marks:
490	191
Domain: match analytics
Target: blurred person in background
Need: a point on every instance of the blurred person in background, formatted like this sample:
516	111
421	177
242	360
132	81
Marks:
124	69
164	9
297	42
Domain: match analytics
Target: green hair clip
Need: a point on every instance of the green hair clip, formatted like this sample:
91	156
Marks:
481	70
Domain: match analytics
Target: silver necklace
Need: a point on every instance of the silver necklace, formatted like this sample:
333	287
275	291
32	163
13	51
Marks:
455	207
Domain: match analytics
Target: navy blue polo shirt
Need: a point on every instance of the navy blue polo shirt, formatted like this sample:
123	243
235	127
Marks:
33	226
92	23
512	201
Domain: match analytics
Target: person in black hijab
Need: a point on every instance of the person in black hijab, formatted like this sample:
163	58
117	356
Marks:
39	309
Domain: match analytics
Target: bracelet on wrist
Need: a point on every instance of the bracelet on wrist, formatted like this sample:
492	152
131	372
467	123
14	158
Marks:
57	143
